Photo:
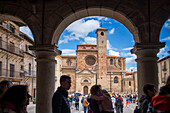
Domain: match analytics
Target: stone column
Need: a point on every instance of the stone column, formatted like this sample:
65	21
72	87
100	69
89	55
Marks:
147	70
45	58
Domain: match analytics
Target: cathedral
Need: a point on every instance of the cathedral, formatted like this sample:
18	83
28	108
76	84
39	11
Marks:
91	66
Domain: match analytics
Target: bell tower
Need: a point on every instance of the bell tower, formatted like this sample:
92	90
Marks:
102	56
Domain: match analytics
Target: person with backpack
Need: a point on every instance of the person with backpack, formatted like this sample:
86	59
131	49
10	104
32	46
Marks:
118	104
128	100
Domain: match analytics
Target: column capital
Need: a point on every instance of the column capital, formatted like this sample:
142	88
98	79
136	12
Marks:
147	46
46	48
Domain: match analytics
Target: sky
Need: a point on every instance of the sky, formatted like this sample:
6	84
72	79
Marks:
119	40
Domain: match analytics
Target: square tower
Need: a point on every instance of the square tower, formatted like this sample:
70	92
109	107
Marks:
102	55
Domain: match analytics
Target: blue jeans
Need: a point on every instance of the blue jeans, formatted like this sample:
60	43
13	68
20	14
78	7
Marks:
85	109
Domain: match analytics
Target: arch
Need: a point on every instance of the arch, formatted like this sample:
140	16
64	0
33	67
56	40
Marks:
116	79
96	12
85	90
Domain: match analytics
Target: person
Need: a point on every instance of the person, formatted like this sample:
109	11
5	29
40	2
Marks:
106	101
60	103
95	105
82	100
4	86
149	90
15	100
162	101
85	104
77	103
128	100
118	104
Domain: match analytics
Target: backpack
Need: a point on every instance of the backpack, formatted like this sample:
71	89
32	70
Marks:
118	102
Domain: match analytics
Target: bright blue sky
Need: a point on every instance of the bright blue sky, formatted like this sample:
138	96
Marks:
119	39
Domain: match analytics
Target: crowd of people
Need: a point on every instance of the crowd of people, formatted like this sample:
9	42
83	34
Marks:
15	98
100	101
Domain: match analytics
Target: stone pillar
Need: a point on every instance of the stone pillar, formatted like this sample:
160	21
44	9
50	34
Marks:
45	58
147	70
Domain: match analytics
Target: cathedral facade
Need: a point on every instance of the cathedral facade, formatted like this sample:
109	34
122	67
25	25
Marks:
92	66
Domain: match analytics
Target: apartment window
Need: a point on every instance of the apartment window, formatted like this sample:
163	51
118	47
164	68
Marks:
111	61
68	63
12	70
0	42
12	28
11	47
0	68
22	68
164	66
26	48
129	83
116	80
29	70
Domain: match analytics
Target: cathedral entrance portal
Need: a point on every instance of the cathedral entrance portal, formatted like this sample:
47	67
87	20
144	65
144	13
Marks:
85	89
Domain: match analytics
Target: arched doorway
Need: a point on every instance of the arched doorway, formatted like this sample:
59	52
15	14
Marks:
85	90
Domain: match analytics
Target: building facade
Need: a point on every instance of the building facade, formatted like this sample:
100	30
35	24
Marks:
163	70
92	66
17	62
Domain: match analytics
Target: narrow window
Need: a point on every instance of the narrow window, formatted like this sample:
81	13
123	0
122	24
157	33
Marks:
11	70
29	69
129	83
116	80
111	61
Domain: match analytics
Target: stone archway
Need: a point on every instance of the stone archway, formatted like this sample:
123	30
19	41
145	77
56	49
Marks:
85	90
59	14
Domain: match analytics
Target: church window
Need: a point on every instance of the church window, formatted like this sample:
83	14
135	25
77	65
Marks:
90	60
116	80
111	61
102	33
119	63
85	80
129	83
68	63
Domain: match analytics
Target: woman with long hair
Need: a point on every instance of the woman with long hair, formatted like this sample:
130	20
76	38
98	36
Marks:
15	100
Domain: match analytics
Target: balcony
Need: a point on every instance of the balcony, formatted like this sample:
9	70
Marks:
11	48
9	74
10	29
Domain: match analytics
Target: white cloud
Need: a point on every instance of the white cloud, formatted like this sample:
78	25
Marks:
129	48
68	52
82	28
109	46
112	31
132	68
67	38
162	52
131	60
167	38
90	40
113	53
126	54
27	31
167	24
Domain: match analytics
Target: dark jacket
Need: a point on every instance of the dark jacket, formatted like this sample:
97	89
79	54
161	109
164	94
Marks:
144	101
93	105
60	103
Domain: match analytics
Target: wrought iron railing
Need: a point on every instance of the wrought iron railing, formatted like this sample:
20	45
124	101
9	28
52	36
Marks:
11	48
16	74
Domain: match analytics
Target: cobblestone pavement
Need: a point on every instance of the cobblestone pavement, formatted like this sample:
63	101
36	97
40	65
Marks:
31	108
